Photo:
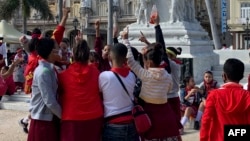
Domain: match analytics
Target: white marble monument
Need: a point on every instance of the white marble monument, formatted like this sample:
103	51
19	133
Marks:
180	29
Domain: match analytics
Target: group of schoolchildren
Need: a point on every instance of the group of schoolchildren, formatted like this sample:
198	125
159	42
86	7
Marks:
91	99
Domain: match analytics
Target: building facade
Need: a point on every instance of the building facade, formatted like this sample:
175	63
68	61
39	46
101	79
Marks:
88	11
238	23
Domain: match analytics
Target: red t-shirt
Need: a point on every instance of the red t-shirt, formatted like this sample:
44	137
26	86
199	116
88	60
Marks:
79	92
229	104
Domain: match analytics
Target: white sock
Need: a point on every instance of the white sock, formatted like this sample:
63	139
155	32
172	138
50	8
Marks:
184	120
199	115
26	120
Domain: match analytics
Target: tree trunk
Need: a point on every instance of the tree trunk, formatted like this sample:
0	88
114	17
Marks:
24	25
216	38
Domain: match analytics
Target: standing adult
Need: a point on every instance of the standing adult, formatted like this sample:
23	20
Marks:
44	108
229	105
119	124
82	110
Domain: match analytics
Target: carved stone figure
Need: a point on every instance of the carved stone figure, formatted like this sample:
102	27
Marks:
142	10
177	11
115	3
86	3
182	10
189	11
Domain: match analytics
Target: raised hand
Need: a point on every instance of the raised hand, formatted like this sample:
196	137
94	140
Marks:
143	39
66	10
157	19
17	61
23	40
78	37
97	25
125	32
115	30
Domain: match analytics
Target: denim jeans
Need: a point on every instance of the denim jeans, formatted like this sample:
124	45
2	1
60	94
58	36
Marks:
120	132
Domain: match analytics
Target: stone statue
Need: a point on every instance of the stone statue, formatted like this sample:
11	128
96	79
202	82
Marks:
189	11
177	11
86	3
115	3
182	10
142	10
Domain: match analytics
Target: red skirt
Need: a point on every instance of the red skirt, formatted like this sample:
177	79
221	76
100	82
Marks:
44	130
175	105
194	108
164	121
84	130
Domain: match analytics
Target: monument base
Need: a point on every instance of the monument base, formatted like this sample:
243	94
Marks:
191	37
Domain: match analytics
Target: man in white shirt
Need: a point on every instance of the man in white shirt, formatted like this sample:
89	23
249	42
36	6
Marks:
117	102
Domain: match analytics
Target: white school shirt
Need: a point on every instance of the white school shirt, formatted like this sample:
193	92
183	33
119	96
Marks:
115	98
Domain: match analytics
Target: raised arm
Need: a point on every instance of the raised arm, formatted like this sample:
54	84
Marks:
115	33
160	39
134	66
98	42
143	39
58	32
11	69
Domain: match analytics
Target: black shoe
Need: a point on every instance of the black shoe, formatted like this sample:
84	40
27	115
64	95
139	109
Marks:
24	126
196	125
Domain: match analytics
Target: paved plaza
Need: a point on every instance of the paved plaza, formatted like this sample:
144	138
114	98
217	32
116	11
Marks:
10	130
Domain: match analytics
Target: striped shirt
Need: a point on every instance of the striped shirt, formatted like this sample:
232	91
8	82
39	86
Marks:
156	82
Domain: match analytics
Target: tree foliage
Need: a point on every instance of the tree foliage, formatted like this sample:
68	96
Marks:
9	7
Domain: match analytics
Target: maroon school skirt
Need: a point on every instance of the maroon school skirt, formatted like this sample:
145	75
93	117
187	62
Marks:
44	130
194	109
164	121
175	105
84	130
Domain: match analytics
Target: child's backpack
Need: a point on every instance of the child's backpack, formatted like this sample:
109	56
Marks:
3	86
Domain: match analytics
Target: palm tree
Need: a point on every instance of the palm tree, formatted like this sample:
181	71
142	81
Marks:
8	9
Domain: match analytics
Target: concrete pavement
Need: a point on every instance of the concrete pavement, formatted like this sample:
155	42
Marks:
11	131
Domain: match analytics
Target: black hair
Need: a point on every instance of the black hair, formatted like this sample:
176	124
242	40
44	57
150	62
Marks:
93	56
65	40
154	53
119	51
44	47
234	69
209	72
36	31
137	56
81	52
32	44
176	51
186	80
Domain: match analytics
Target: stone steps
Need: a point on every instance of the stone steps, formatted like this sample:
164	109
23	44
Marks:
14	105
19	102
218	70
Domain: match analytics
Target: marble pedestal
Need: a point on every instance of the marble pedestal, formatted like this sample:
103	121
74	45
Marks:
191	37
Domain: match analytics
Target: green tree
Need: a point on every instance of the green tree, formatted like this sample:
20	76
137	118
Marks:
9	7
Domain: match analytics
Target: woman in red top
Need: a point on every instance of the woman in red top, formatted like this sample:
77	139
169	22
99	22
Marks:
228	105
82	110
